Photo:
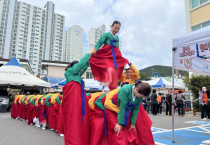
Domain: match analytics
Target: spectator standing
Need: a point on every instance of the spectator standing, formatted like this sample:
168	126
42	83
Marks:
203	99
179	101
148	102
154	102
168	104
159	99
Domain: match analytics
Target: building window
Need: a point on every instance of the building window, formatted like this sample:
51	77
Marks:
202	25
203	1
89	75
205	24
196	3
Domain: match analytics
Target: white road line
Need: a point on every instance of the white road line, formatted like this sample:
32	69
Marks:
157	143
185	128
202	127
198	122
161	131
197	131
190	127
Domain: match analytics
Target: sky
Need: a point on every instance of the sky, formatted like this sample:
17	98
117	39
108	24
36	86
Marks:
147	26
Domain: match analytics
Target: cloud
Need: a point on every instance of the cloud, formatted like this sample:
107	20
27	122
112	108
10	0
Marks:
147	30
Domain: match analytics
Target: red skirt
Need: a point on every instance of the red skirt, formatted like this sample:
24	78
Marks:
142	135
38	112
50	116
54	115
13	110
22	111
31	113
34	111
60	129
125	137
76	131
97	136
42	113
103	68
28	112
143	127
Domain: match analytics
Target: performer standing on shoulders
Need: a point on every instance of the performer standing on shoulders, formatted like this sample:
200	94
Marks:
108	64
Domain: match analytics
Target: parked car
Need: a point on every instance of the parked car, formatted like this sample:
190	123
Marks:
4	100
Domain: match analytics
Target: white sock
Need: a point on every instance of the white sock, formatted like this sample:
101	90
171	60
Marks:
43	125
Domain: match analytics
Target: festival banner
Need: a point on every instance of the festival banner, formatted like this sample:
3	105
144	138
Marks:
203	47
192	64
186	51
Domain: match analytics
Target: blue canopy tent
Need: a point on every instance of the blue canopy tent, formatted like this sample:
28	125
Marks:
159	84
62	83
163	83
54	81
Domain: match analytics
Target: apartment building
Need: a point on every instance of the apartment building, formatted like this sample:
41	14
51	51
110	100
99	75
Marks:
94	34
73	44
30	32
197	14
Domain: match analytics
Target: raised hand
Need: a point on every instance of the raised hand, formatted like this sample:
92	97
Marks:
92	51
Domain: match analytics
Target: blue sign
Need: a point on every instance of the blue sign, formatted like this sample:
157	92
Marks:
156	74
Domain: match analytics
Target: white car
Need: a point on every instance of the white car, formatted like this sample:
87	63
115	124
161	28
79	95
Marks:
4	100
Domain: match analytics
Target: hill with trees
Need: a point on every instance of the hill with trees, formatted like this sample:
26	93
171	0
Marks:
163	71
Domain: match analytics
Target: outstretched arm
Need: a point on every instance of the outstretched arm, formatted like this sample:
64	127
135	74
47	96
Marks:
82	63
101	41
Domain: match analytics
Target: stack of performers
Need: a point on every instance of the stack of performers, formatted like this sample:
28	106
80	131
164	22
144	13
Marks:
114	118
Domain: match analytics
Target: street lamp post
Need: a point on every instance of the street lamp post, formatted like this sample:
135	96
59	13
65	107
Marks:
152	71
173	103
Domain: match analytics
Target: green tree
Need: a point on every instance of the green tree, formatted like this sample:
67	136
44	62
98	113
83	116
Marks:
187	81
144	77
195	83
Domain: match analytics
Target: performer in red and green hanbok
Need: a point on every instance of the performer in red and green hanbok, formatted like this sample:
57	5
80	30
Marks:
15	107
59	119
127	122
108	64
75	107
98	130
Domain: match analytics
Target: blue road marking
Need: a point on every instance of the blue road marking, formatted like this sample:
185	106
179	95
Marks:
196	135
182	137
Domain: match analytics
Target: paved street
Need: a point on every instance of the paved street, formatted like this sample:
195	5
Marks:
16	132
188	130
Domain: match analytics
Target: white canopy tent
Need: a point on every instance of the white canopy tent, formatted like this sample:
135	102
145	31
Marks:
14	75
190	53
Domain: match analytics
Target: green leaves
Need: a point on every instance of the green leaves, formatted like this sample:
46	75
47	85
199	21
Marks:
195	83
